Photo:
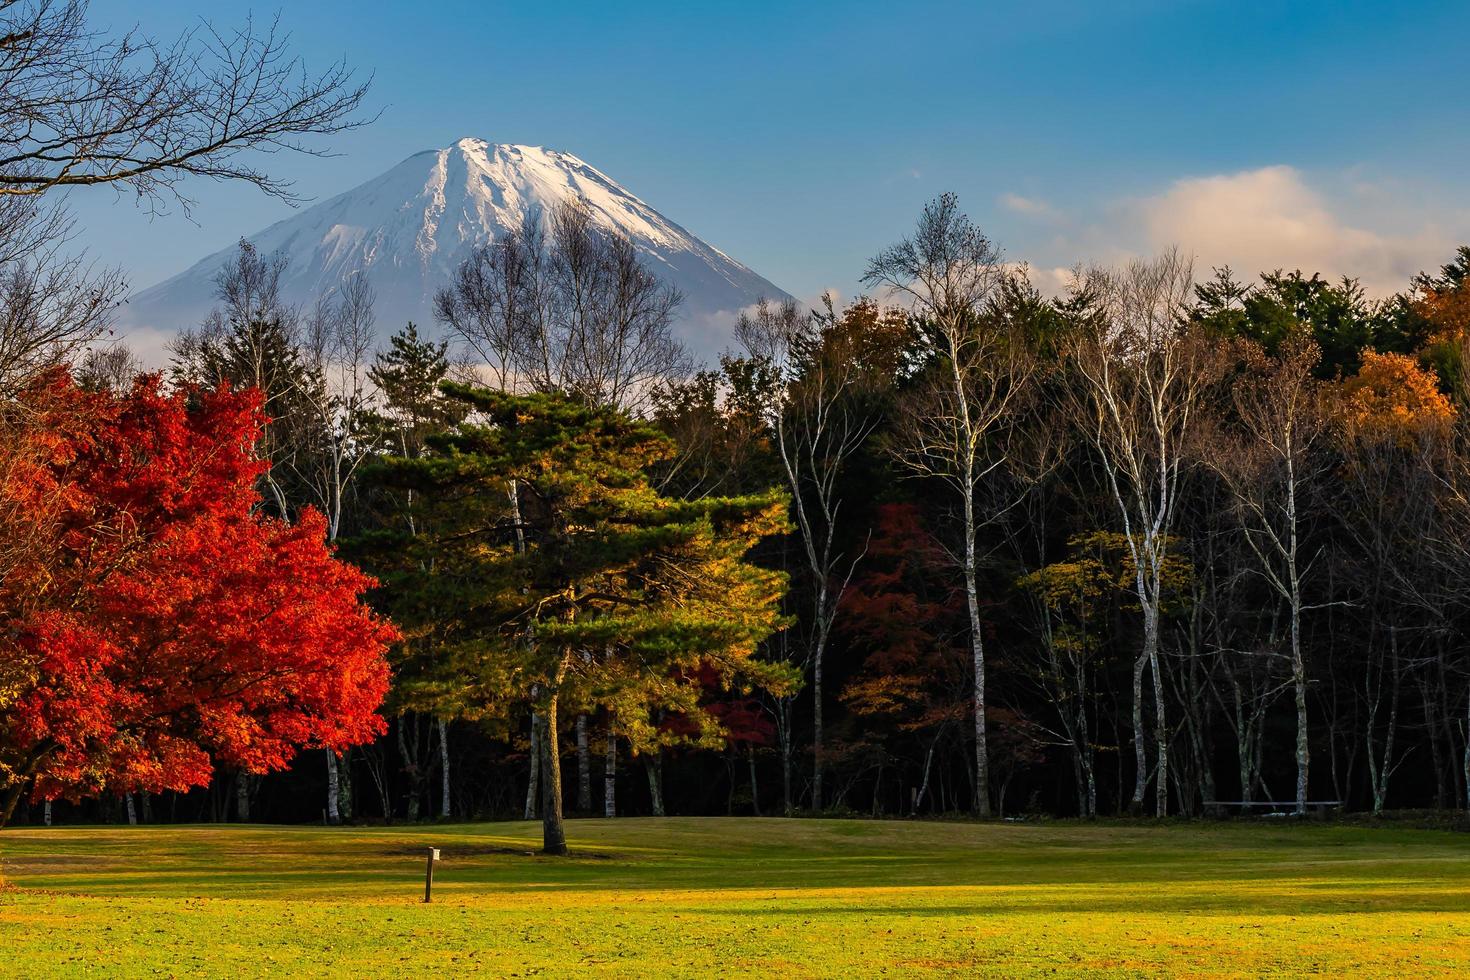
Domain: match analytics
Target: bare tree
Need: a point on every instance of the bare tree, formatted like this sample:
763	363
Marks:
52	305
569	307
337	346
1141	376
1269	468
111	367
821	412
947	272
252	340
79	108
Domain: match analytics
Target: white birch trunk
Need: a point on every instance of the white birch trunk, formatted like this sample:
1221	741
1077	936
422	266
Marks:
533	781
334	790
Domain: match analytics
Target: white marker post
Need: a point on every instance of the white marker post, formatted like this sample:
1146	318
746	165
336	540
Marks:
429	874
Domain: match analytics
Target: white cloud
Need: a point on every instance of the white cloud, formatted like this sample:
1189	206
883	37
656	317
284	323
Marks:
1033	207
1270	218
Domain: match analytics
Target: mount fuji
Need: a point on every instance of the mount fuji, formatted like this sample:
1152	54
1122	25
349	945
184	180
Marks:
409	228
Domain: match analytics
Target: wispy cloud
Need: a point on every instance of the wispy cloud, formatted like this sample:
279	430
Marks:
1033	207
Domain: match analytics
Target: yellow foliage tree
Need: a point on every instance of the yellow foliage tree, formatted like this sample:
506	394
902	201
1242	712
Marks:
1391	398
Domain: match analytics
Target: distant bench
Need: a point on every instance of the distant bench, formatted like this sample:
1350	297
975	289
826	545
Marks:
1321	808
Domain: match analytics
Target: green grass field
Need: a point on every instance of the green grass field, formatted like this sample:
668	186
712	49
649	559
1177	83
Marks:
712	897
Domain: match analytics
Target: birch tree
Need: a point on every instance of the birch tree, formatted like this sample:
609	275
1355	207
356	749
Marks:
1269	469
1141	376
338	344
827	372
951	429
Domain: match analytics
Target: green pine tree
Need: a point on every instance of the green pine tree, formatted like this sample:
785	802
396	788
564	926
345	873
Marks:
553	574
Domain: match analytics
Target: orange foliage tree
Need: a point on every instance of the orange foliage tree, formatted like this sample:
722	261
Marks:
1391	398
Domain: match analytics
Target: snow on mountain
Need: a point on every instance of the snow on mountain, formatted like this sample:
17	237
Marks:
410	227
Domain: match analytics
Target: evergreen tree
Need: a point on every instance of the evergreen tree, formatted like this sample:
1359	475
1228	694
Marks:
588	587
407	376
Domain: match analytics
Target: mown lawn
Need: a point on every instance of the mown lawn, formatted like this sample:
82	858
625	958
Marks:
718	897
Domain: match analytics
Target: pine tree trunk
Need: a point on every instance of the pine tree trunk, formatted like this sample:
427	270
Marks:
334	790
584	767
553	832
655	784
444	768
610	774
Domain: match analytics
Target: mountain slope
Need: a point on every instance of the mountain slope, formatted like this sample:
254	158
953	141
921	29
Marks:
410	227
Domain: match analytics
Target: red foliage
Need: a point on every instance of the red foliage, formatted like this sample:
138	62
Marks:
906	618
743	719
165	626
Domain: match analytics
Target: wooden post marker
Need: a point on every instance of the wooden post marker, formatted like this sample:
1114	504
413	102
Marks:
429	874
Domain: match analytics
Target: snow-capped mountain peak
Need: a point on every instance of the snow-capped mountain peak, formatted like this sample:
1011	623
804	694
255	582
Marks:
408	229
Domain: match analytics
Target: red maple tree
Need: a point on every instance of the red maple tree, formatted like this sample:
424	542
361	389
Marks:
156	625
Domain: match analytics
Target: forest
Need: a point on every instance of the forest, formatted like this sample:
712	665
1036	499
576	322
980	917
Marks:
954	547
1168	540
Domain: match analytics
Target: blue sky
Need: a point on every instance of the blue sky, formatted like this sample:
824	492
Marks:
801	138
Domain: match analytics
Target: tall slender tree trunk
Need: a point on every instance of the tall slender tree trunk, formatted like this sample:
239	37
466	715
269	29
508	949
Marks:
1140	749
584	767
1465	767
977	654
1299	690
46	813
533	780
1161	735
334	790
242	796
784	734
755	791
610	774
923	789
344	784
1298	663
817	658
444	809
1381	772
408	750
